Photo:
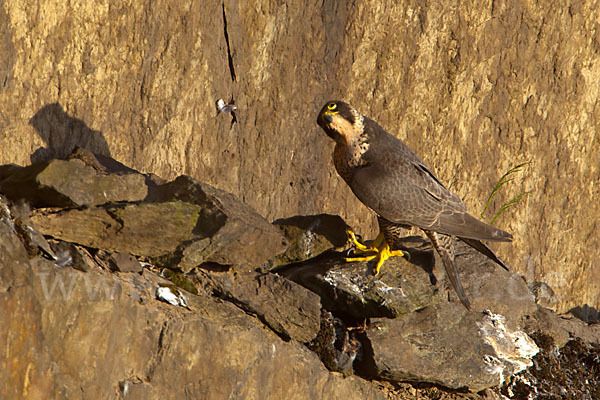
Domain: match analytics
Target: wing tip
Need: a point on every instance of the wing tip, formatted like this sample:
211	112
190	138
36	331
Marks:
465	301
502	236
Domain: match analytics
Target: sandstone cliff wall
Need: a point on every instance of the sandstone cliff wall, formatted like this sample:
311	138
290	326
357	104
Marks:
474	90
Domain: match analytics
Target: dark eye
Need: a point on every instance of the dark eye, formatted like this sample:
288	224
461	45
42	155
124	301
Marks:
331	106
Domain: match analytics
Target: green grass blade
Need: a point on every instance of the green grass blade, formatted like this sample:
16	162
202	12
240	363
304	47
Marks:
506	178
510	203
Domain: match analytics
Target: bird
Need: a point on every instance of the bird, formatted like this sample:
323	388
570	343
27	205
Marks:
226	108
390	179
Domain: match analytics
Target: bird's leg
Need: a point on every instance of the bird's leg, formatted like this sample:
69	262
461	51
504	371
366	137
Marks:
378	249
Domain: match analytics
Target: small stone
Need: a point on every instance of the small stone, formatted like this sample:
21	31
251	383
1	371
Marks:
70	255
171	295
124	262
544	295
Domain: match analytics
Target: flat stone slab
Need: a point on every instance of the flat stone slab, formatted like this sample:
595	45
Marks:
184	225
150	229
286	307
72	183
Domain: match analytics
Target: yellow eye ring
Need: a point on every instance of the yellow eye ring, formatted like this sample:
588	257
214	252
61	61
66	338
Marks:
331	106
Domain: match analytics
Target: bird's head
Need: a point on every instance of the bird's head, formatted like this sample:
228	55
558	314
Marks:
340	121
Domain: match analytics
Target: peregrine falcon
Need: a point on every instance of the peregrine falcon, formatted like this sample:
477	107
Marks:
390	179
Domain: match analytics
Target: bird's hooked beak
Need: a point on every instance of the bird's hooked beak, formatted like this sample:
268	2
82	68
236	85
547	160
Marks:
326	118
326	121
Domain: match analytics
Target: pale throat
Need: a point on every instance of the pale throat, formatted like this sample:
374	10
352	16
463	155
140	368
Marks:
351	135
352	143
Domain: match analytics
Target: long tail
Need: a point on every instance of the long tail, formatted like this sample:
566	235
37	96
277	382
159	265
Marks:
483	249
445	248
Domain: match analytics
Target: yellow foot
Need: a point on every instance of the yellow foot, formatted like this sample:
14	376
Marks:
361	258
384	253
367	253
361	247
378	249
353	240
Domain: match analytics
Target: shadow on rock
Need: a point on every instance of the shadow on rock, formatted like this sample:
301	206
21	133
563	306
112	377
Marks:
586	313
62	133
420	253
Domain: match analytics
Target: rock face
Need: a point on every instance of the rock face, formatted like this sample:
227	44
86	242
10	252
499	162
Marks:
474	90
191	293
71	334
